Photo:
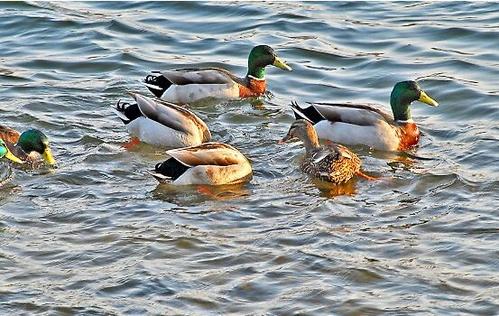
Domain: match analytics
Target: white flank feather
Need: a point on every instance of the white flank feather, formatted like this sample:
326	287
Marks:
156	134
192	93
380	136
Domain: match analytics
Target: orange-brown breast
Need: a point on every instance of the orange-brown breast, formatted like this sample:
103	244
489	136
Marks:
409	135
255	88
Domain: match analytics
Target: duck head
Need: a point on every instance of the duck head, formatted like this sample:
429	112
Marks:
262	56
403	94
304	131
34	140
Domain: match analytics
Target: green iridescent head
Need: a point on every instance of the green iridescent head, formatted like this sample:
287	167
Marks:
262	56
5	153
34	140
403	94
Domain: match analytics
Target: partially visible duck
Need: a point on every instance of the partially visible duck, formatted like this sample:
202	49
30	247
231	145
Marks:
191	85
31	146
358	124
209	163
5	153
333	163
161	123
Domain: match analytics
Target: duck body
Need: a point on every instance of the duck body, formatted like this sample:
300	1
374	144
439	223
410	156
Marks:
358	124
31	146
208	163
187	86
352	124
161	123
193	85
333	163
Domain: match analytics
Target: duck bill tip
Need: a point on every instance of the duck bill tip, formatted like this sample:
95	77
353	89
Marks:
49	158
279	63
425	98
284	140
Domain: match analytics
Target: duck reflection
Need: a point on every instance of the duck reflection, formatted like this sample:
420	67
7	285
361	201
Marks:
191	194
402	160
331	190
257	103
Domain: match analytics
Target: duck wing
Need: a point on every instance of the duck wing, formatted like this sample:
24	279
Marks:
170	115
333	163
322	153
331	152
357	114
216	154
187	76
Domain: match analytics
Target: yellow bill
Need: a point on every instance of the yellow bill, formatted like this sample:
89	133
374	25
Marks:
47	156
423	97
285	139
281	64
13	158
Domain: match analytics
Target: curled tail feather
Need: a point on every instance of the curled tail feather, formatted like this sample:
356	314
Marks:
157	84
310	113
126	112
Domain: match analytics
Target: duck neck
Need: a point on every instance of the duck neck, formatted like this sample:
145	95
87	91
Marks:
256	72
310	139
400	107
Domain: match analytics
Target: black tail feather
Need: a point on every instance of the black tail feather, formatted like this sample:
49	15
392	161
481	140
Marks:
171	168
310	113
160	81
130	111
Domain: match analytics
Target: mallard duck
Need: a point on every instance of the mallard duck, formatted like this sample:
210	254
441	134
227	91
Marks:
209	163
5	153
354	124
333	163
192	84
161	123
31	146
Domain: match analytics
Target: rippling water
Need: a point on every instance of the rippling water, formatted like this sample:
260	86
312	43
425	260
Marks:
99	237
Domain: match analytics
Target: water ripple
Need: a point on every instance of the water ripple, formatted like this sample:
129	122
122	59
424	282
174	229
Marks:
98	236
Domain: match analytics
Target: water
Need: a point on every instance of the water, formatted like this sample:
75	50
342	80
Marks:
98	236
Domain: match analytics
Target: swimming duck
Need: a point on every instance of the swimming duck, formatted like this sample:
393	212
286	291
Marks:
354	124
161	123
192	84
209	163
333	163
30	146
5	153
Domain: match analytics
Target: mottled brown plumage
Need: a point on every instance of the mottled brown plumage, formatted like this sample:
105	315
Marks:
333	163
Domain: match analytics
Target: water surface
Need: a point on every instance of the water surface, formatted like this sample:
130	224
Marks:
97	236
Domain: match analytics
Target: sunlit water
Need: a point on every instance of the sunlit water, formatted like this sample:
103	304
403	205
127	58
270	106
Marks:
98	236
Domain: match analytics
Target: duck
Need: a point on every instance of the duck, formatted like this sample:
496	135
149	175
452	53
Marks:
31	146
5	153
362	124
193	85
210	163
161	123
333	163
